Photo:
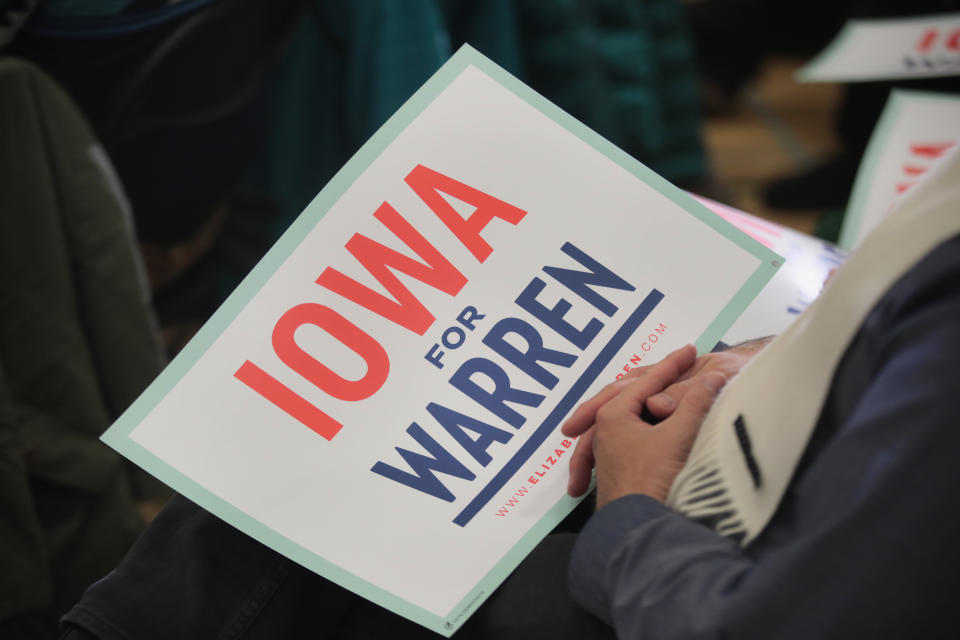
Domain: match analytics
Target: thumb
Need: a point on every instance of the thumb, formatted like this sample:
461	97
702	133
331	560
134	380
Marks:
662	404
694	406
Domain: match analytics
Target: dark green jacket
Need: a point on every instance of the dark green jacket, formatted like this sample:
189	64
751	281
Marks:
77	345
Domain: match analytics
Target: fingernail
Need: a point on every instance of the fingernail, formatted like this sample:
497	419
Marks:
714	382
664	400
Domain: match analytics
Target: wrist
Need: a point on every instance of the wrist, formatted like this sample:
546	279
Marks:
653	486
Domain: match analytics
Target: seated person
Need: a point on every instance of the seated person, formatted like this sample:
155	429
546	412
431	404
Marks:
862	543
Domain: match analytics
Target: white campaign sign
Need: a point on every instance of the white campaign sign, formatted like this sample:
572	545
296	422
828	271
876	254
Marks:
380	400
809	261
889	49
915	130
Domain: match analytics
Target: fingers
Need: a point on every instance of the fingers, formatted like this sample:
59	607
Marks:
633	456
655	378
578	425
662	404
581	466
694	406
631	398
582	418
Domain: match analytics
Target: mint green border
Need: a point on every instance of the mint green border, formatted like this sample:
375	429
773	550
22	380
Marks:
118	435
853	216
805	73
874	153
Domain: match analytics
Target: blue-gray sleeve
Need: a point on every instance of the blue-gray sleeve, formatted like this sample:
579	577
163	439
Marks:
638	564
867	542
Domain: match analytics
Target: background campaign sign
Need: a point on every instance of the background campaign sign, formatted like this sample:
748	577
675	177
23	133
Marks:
380	398
889	49
914	131
808	262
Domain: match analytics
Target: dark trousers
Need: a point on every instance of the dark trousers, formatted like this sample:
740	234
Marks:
191	575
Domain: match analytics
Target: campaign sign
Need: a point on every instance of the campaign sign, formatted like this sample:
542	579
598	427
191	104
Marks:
799	281
914	131
380	399
889	49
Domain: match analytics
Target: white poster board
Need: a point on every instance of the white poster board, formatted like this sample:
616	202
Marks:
914	131
380	399
889	49
799	281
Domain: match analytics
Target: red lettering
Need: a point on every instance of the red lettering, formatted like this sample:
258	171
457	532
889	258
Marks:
400	306
933	150
428	184
926	40
953	41
285	346
287	400
405	309
378	365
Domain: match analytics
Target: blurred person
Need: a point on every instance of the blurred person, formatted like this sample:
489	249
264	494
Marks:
734	37
77	345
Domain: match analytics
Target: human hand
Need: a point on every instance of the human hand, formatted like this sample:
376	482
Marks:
148	509
635	457
650	380
727	363
676	374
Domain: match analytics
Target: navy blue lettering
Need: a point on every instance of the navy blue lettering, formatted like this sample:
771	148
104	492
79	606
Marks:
456	423
423	478
554	318
528	360
580	282
496	400
468	316
434	356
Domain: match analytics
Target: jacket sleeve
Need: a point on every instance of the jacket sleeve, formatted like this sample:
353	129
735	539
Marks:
865	542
